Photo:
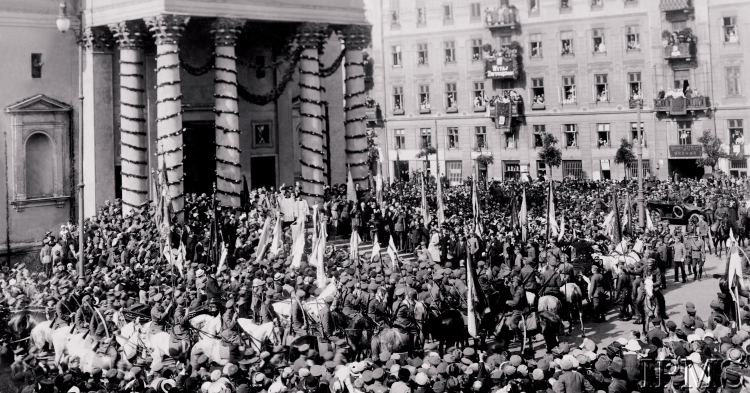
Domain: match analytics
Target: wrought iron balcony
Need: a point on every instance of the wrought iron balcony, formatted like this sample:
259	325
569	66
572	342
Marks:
502	18
675	106
680	51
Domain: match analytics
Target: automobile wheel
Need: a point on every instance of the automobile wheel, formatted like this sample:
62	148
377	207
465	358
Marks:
695	215
678	212
656	216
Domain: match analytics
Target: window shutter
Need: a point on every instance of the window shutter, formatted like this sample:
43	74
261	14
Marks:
593	93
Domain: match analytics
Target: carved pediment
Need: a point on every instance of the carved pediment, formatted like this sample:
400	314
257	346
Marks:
38	103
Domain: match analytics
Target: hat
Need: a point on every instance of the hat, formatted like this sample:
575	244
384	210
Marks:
566	364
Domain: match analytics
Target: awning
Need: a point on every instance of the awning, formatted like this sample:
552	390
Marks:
675	5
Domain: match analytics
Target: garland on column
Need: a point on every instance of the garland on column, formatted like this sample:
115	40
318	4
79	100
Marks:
356	38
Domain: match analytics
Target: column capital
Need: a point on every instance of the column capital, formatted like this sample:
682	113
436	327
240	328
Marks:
167	28
357	36
129	34
312	35
97	39
225	30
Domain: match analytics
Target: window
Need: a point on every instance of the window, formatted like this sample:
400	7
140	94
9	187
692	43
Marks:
400	136
422	54
733	81
396	54
601	88
450	51
476	11
599	46
634	38
426	134
634	134
505	41
476	49
564	4
421	16
633	169
512	170
738	168
450	95
537	89
36	65
536	44
480	99
541	168
730	29
572	169
596	3
401	170
454	172
602	134
40	169
398	98
511	137
448	13
395	11
424	97
571	135
534	6
685	132
453	137
569	90
567	42
480	136
736	133
634	86
539	131
682	79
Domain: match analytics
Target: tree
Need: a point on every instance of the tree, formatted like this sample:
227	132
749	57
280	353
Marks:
426	151
712	150
550	154
624	154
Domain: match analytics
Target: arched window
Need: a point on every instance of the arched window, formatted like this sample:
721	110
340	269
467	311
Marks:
40	168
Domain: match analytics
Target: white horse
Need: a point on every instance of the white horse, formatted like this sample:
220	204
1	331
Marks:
129	340
82	345
41	334
312	307
219	354
208	326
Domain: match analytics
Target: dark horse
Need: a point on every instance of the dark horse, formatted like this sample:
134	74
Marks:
359	334
744	232
720	232
448	329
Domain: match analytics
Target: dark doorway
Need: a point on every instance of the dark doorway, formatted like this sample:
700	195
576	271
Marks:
199	151
685	169
263	172
402	174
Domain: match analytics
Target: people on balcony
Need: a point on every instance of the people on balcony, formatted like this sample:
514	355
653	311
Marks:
738	138
601	48
539	99
570	96
425	105
675	93
636	94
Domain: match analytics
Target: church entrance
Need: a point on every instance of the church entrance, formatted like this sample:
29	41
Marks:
199	152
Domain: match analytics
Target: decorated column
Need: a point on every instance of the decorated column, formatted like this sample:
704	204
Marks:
356	38
167	30
228	176
310	37
133	140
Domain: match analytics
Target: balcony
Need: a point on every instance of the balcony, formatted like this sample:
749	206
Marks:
514	110
502	18
538	106
633	103
676	106
676	5
373	113
680	51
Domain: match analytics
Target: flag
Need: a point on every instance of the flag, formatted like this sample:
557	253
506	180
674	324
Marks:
354	247
552	228
393	253
264	241
244	195
298	242
179	261
379	187
562	226
425	208
628	209
351	193
321	251
476	209
315	226
475	298
734	273
514	217
649	223
616	227
222	257
375	248
523	218
277	243
440	208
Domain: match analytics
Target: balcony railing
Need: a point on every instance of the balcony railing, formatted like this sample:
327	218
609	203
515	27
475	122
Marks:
513	110
633	103
681	105
680	51
502	18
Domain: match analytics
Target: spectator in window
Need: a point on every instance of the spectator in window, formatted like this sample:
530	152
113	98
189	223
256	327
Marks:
566	47
602	47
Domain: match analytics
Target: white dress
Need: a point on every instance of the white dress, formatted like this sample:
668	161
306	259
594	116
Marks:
434	247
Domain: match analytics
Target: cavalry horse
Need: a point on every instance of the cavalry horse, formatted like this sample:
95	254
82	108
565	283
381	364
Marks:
720	232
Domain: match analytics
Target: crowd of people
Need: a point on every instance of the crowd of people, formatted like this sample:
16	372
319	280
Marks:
129	278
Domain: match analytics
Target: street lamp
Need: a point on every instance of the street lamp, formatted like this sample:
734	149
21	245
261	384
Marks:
63	25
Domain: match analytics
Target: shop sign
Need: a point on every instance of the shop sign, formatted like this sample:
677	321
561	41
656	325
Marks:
501	67
680	151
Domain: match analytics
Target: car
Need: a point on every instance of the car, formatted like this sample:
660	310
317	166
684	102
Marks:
675	212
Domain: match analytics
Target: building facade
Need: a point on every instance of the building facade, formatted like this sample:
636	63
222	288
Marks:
573	68
265	96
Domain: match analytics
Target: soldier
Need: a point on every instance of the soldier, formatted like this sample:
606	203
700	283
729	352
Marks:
85	314
596	293
159	316
623	293
376	306
403	313
181	323
518	304
352	300
698	254
297	314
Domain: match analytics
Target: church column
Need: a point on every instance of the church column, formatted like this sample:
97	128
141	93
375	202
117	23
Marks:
310	38
133	140
167	30
226	109
98	122
356	38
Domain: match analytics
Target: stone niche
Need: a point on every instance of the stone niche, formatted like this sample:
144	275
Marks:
38	152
